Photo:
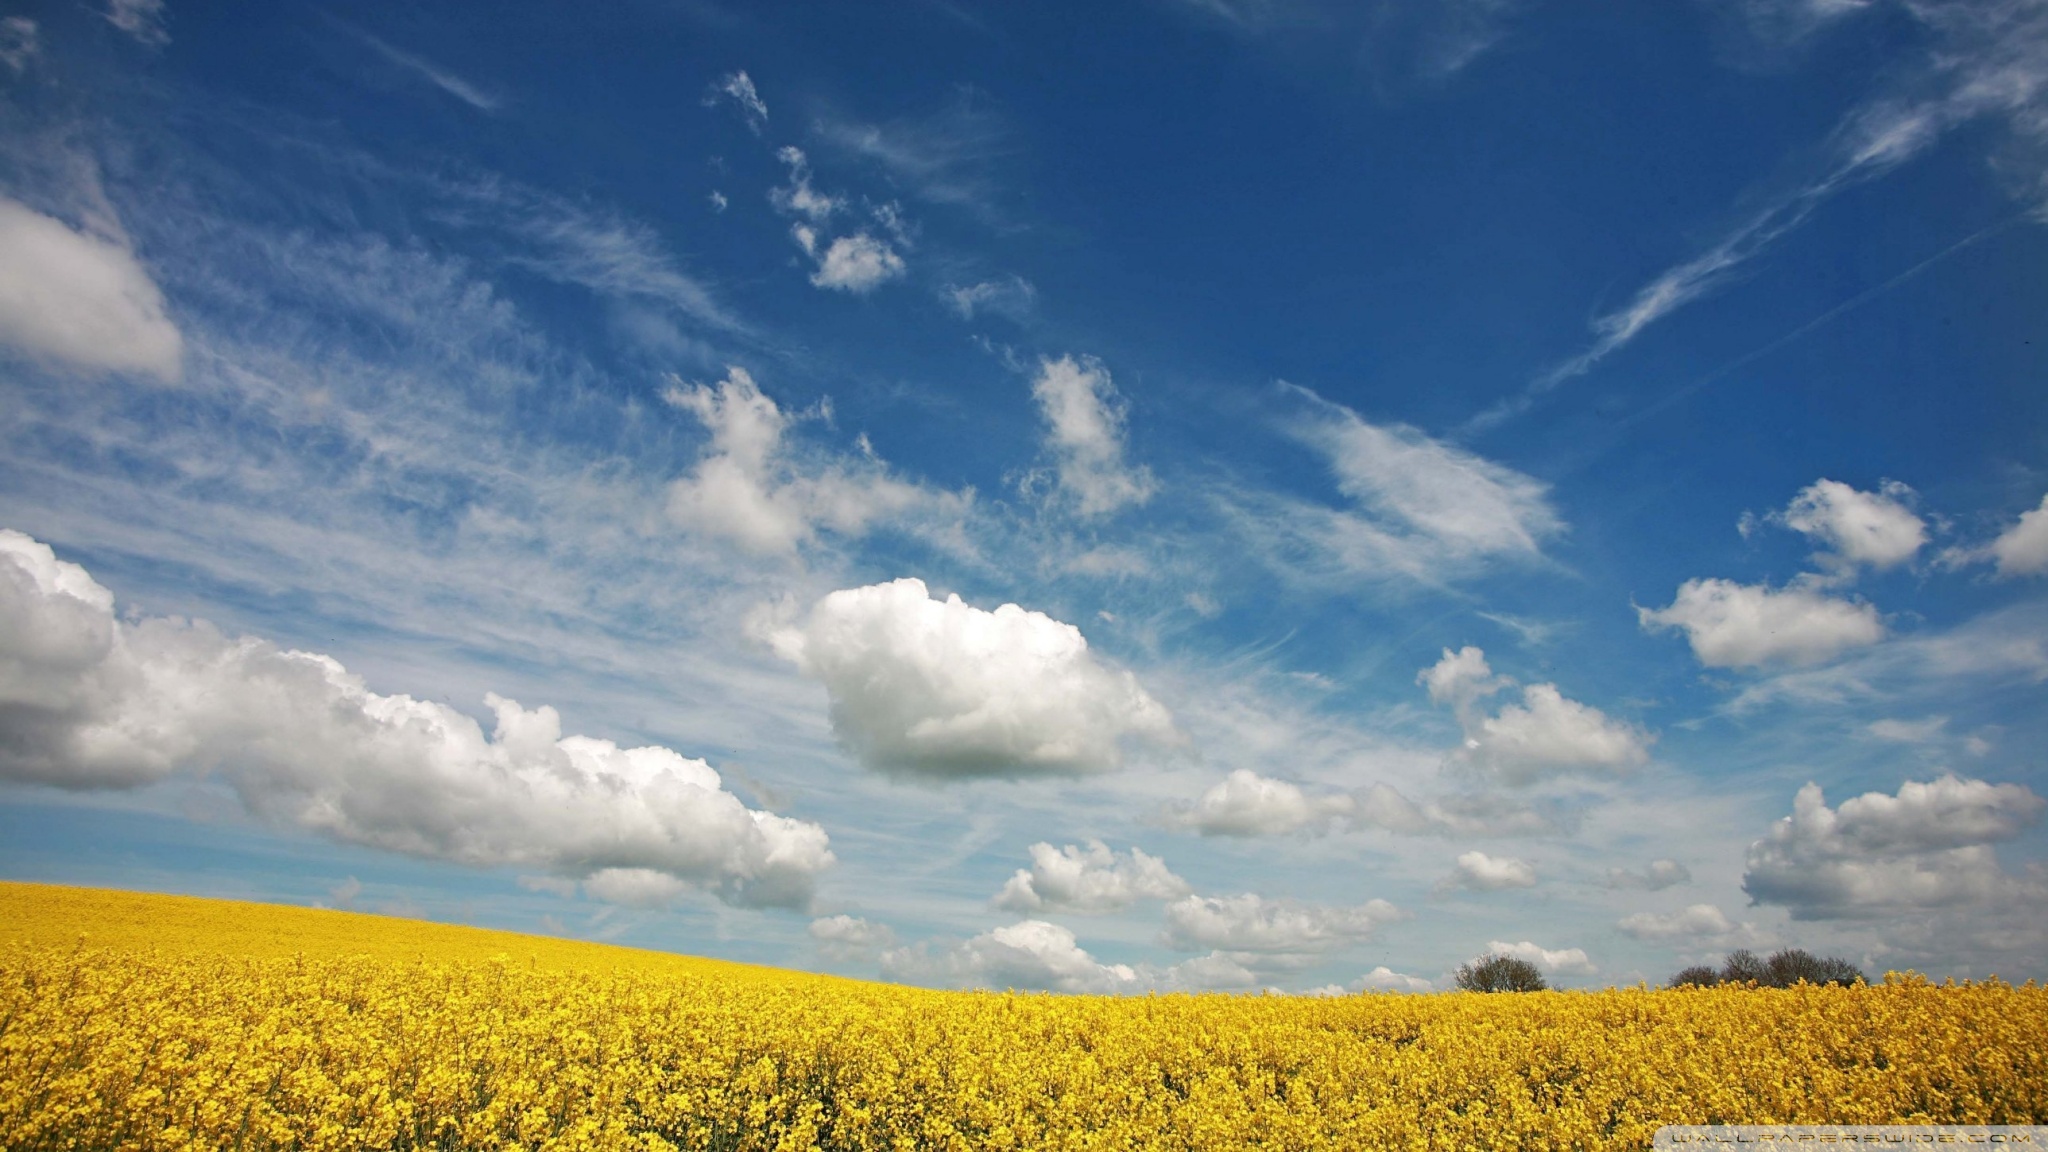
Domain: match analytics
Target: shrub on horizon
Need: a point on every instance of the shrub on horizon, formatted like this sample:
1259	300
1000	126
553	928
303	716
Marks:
1495	973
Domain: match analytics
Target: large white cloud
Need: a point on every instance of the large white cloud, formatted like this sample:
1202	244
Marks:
1085	433
1547	734
1245	803
1250	923
1734	625
1482	873
1093	879
2022	550
1928	846
1856	527
1558	961
844	937
942	689
1037	954
80	300
750	489
88	701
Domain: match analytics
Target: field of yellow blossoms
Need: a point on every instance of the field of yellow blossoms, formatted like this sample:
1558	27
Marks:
183	1023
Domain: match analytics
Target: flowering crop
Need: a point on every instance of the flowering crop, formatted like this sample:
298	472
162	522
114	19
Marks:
197	1024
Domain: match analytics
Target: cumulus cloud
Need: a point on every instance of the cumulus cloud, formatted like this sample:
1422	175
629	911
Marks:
1385	979
943	690
858	264
1482	873
1085	434
1253	924
2022	550
1561	962
1037	954
1012	297
752	489
80	300
89	701
1874	529
1245	803
738	88
1732	625
1927	846
1547	734
1657	876
1092	880
846	938
798	197
1694	922
142	19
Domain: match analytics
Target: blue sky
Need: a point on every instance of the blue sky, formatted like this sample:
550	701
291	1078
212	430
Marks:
1180	494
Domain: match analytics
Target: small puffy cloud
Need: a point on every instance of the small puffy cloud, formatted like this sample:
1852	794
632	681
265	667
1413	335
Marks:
81	301
20	42
751	489
1876	529
1922	731
858	264
1385	979
1253	924
1464	505
944	690
1245	803
1734	625
1561	962
1694	922
2022	550
1547	734
846	937
142	19
1657	876
1927	846
798	197
1012	298
738	88
1482	873
1085	434
1092	880
89	701
1036	954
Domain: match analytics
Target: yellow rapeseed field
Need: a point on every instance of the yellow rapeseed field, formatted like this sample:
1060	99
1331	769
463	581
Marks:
180	1023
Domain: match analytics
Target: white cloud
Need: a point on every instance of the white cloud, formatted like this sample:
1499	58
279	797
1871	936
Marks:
945	690
1253	924
1036	954
1012	298
1474	814
1562	961
433	74
1734	625
1085	433
1482	873
1871	528
1693	922
142	19
738	87
846	937
798	196
1245	803
1657	876
1920	731
80	300
87	701
748	488
1546	734
858	264
1093	879
1465	505
1385	979
635	887
1928	846
2022	550
20	42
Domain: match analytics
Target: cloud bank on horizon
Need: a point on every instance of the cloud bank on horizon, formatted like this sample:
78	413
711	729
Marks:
1005	534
